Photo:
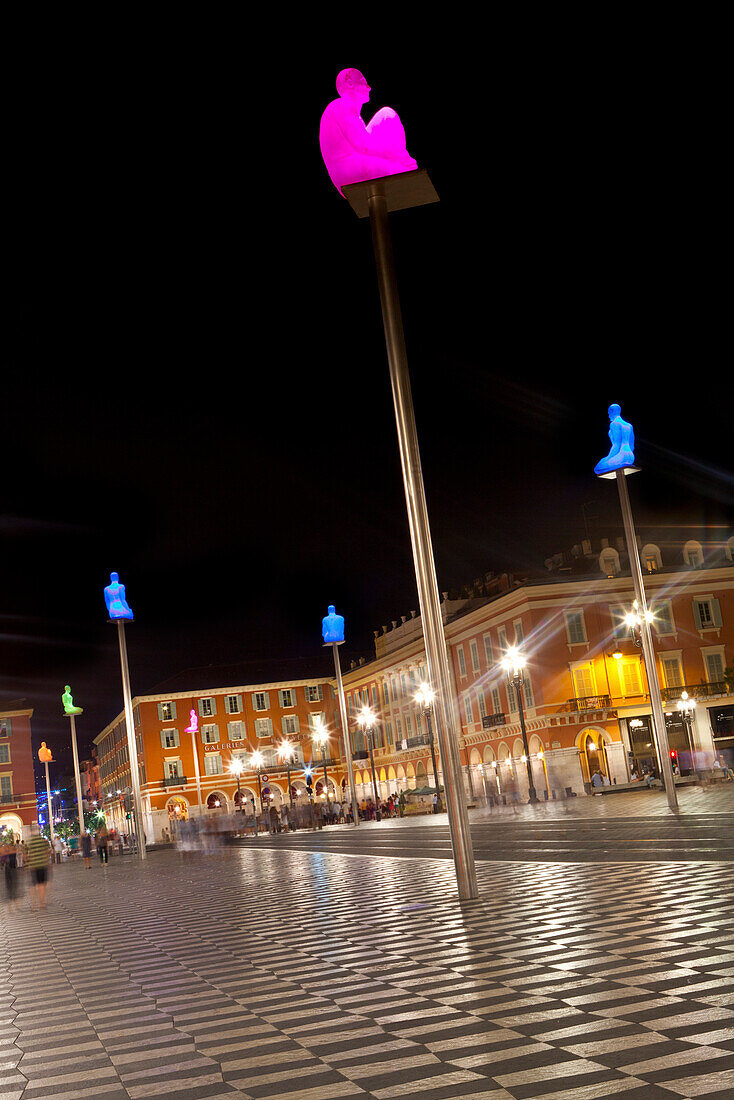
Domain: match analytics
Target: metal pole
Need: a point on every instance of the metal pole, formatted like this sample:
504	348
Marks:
345	729
77	778
420	534
290	791
378	815
647	646
132	749
195	751
517	684
326	780
439	804
50	805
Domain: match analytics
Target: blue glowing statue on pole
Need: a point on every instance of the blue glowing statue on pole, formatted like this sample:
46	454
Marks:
332	627
622	452
114	597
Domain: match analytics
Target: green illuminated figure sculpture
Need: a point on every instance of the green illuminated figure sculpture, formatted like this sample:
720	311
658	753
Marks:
68	702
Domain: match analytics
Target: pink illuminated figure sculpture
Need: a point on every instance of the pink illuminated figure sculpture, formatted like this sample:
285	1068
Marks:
353	151
194	723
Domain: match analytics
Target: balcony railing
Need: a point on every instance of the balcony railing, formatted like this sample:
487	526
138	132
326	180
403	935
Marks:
174	780
588	702
696	691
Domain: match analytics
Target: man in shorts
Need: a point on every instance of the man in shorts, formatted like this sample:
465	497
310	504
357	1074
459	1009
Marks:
39	857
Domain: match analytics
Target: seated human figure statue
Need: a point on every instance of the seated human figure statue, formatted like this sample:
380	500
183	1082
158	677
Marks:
353	151
332	627
622	437
68	702
114	595
193	726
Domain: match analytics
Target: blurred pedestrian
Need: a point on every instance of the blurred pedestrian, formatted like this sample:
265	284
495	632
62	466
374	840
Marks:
9	853
100	840
39	858
274	818
58	849
87	849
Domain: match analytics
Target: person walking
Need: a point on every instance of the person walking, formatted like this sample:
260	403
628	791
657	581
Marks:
100	841
274	819
87	850
39	858
10	868
58	849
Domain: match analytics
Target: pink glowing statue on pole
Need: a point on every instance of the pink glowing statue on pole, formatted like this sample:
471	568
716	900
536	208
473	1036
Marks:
353	151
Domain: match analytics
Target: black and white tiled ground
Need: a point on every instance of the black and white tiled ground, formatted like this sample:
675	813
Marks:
294	975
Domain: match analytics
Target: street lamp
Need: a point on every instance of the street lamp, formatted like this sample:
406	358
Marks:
634	620
513	663
321	738
286	752
257	760
236	769
424	697
686	706
366	721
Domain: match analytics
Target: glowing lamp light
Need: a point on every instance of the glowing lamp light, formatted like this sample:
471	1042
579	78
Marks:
514	661
286	750
366	718
354	151
425	695
257	759
236	766
114	597
622	438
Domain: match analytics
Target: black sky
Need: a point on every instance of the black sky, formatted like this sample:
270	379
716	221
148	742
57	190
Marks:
194	372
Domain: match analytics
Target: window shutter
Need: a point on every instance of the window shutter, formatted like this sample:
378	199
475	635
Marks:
697	615
160	713
716	613
163	739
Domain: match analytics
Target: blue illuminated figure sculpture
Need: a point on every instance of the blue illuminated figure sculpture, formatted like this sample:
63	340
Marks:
332	627
114	597
622	436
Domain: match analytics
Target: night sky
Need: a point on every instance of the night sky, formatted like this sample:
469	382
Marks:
194	370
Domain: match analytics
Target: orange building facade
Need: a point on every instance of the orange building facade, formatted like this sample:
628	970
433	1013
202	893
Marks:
17	781
185	774
585	697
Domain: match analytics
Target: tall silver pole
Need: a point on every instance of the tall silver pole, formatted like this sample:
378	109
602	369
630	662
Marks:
661	735
345	732
50	806
77	778
425	571
132	749
195	751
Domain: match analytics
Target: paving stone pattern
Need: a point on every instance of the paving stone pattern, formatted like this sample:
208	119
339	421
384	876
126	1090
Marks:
314	976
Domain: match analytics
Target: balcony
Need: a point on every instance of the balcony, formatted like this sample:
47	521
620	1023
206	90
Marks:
174	781
695	691
587	702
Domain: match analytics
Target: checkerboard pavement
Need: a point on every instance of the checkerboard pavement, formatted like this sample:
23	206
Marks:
292	975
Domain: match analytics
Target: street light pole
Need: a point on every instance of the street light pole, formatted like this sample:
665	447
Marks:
513	664
366	719
686	706
424	696
378	196
44	755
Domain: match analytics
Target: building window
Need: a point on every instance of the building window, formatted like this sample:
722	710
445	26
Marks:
502	636
672	671
315	720
707	613
693	554
496	704
6	788
583	681
213	764
609	562
236	731
468	711
460	658
172	769
488	650
5	727
207	707
167	711
663	622
260	700
482	705
290	725
4	754
233	704
630	681
209	735
474	656
263	727
651	558
287	697
170	739
575	627
314	694
714	667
